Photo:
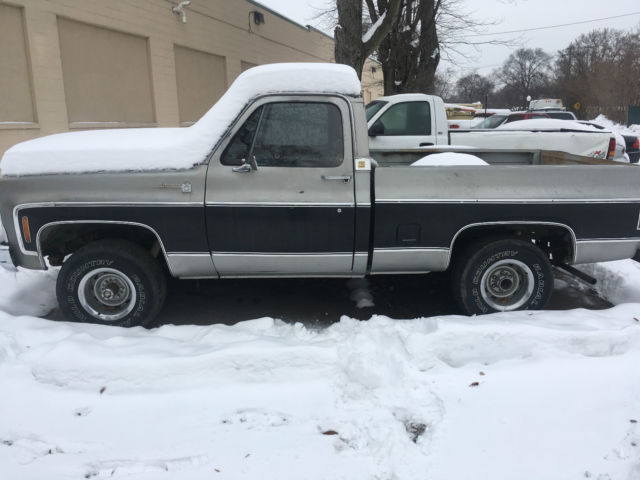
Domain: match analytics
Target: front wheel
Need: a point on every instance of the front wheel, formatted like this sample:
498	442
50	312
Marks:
111	282
502	275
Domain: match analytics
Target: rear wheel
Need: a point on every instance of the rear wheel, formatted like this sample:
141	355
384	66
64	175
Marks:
111	282
502	275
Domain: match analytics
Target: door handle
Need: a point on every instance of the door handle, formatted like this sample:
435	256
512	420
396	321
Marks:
426	144
339	178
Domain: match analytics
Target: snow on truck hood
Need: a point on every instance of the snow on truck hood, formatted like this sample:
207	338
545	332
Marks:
146	149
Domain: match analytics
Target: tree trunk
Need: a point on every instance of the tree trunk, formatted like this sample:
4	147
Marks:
349	48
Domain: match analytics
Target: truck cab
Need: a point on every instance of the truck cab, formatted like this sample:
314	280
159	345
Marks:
404	121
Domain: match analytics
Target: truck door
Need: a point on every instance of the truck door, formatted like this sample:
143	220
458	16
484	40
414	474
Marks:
403	125
280	190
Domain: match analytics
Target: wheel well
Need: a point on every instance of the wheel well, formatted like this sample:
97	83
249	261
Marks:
557	241
59	240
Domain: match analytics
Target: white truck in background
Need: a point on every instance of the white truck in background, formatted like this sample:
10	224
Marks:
409	121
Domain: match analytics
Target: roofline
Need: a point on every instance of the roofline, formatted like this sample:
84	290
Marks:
308	28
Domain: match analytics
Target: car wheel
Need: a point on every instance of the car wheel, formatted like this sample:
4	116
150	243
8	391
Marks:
111	282
501	276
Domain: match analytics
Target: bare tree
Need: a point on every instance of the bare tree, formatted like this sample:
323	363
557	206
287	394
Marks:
352	44
526	72
473	88
410	49
443	85
600	70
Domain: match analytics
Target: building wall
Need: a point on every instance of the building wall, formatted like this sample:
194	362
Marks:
78	64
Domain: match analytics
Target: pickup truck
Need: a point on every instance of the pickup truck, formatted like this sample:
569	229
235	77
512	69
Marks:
417	120
276	180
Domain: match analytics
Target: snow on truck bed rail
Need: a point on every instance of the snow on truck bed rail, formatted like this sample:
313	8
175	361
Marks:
143	149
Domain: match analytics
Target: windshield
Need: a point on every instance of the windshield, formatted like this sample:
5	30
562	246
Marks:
491	122
373	108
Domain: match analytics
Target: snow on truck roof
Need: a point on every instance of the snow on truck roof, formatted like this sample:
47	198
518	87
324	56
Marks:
148	149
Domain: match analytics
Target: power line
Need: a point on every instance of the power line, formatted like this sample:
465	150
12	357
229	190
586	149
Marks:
554	26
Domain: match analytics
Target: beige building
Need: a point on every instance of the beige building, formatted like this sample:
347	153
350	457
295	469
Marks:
80	64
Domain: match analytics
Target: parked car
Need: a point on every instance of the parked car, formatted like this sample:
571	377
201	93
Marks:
497	120
417	120
560	115
276	180
633	147
627	145
478	117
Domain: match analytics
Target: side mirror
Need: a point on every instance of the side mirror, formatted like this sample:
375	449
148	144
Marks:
376	129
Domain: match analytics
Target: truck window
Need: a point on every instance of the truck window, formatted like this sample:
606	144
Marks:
238	149
409	118
373	108
299	134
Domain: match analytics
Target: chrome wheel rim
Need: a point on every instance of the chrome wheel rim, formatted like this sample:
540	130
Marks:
507	285
107	294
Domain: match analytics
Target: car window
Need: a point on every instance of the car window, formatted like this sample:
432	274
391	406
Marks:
299	134
561	115
409	118
514	118
373	108
491	122
238	149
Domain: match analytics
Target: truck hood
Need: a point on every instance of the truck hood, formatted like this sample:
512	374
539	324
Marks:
107	150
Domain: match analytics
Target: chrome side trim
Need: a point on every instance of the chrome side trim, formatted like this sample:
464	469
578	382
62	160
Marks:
604	240
112	204
97	222
245	264
284	254
191	265
604	250
360	263
278	204
409	260
528	223
507	200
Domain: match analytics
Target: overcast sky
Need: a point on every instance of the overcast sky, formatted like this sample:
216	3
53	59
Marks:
511	15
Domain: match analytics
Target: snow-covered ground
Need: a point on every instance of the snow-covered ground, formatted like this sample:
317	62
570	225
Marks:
527	395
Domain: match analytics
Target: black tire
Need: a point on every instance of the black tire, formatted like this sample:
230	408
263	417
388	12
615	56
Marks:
502	275
111	282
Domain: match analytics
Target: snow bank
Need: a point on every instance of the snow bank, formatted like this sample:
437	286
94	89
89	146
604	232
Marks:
616	127
27	292
528	395
448	159
547	124
618	282
172	148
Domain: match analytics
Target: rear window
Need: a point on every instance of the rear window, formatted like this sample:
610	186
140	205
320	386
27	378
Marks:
561	115
491	122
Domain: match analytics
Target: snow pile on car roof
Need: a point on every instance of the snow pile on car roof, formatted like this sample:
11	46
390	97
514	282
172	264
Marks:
549	124
172	148
448	159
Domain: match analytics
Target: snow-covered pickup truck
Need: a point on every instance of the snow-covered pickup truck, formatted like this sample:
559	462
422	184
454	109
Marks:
276	181
416	120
